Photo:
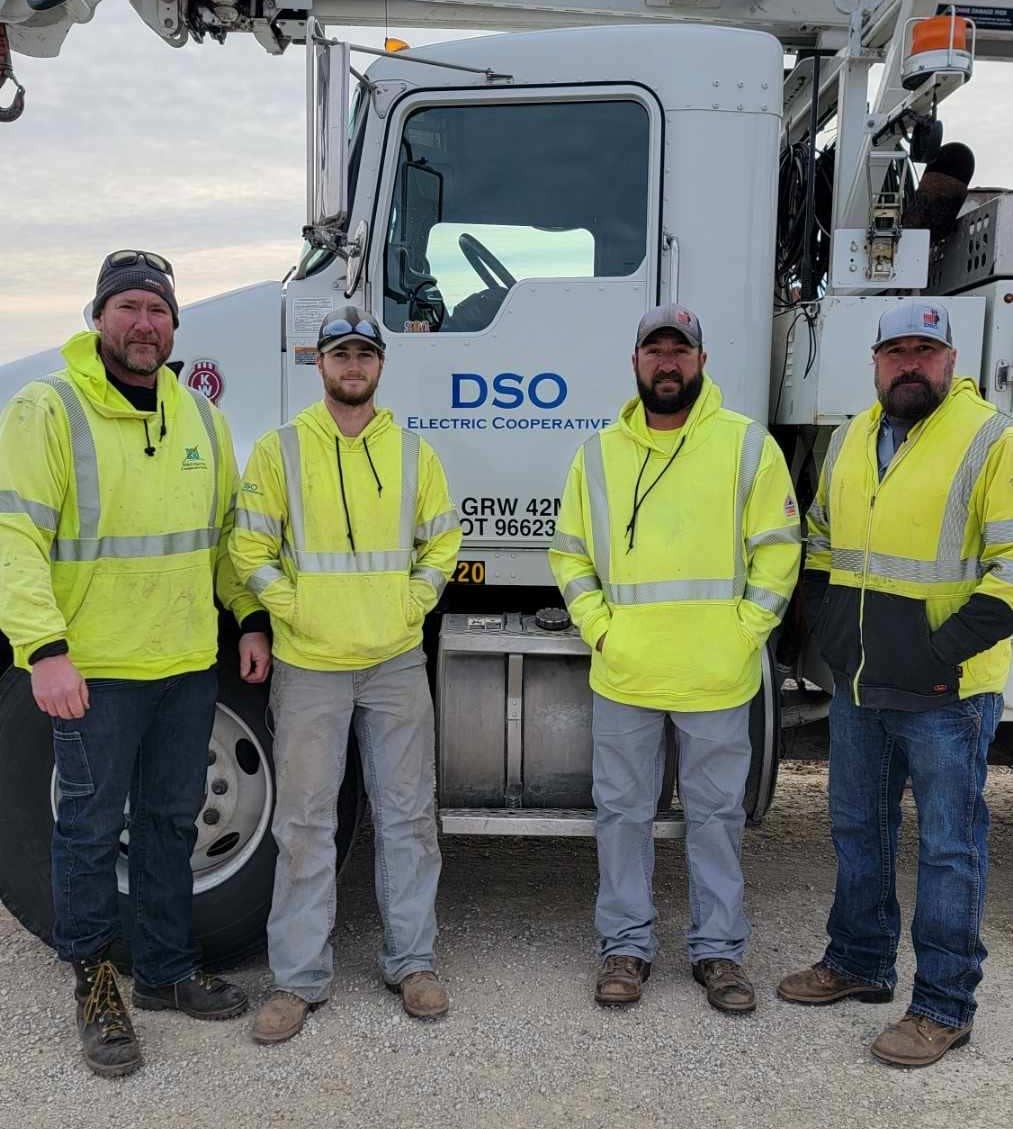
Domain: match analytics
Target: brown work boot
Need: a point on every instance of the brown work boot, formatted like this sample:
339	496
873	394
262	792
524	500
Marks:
918	1041
728	987
280	1017
621	980
422	995
822	985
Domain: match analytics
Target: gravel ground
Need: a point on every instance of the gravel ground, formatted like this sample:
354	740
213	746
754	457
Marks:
524	1044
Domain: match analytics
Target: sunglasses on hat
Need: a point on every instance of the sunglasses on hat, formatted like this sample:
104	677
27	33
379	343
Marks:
341	326
127	258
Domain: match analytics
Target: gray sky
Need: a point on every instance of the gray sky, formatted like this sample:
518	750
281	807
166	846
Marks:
199	154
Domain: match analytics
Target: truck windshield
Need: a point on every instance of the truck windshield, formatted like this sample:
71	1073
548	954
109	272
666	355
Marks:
489	194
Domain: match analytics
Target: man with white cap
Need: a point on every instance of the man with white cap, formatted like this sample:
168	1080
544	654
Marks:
677	549
910	575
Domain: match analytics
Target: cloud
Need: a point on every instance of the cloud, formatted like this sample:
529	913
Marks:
199	153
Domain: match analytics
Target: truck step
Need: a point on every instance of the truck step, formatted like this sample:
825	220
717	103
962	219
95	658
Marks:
570	822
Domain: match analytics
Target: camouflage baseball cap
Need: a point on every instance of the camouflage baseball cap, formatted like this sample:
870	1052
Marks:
671	317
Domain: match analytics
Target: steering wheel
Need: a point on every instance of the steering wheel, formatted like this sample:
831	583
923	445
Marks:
485	263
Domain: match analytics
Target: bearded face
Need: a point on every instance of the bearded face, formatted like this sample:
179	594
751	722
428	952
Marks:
669	372
913	377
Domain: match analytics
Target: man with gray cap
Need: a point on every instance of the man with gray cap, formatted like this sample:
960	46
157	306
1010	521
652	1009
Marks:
676	550
909	582
117	487
346	533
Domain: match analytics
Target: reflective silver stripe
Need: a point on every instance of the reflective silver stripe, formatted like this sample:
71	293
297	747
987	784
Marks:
951	534
288	440
259	523
908	569
43	517
817	543
749	464
1003	570
566	543
263	578
666	591
204	410
594	471
579	587
998	532
149	545
764	598
409	486
431	576
817	514
791	535
398	560
82	445
836	443
442	523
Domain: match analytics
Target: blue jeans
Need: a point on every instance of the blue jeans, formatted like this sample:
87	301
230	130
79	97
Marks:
872	753
146	740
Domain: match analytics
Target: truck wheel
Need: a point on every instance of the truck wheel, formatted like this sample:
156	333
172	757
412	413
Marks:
233	860
765	737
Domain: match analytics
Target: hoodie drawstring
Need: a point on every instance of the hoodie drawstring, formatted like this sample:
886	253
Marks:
638	501
341	484
149	448
369	458
344	500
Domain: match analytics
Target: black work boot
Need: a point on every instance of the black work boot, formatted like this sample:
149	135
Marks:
107	1036
200	996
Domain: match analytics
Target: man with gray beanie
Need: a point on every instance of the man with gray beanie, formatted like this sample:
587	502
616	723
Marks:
909	581
112	537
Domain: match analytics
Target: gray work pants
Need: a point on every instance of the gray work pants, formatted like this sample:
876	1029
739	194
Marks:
391	709
629	757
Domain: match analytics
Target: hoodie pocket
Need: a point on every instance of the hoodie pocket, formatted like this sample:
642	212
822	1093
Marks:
677	649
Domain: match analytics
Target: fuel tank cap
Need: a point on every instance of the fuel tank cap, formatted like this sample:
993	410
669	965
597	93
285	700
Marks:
552	619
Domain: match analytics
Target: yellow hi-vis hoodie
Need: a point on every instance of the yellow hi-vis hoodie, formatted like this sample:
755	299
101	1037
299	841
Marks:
104	546
688	596
348	543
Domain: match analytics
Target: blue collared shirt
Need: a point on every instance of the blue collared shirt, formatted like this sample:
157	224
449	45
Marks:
892	433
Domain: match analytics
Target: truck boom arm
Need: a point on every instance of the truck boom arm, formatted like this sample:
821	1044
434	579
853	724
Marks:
38	27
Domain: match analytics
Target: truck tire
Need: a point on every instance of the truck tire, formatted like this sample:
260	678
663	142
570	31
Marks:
765	736
234	857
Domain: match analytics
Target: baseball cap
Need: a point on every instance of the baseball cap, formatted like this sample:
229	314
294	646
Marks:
671	317
914	319
350	323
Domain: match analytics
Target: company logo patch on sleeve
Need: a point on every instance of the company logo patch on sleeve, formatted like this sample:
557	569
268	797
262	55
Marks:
790	506
251	488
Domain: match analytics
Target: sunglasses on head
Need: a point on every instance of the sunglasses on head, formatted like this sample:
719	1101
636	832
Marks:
128	258
342	326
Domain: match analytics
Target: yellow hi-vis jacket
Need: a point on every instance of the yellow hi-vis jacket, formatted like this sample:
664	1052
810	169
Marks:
910	579
713	562
104	546
348	543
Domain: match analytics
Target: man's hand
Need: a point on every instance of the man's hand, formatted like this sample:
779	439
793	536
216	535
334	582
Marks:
600	645
254	656
58	688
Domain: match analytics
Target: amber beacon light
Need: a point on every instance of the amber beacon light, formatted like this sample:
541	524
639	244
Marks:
939	44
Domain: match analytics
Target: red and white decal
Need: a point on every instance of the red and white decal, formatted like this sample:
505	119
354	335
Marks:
206	379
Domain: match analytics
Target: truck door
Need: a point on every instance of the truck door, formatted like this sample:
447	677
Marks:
515	246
